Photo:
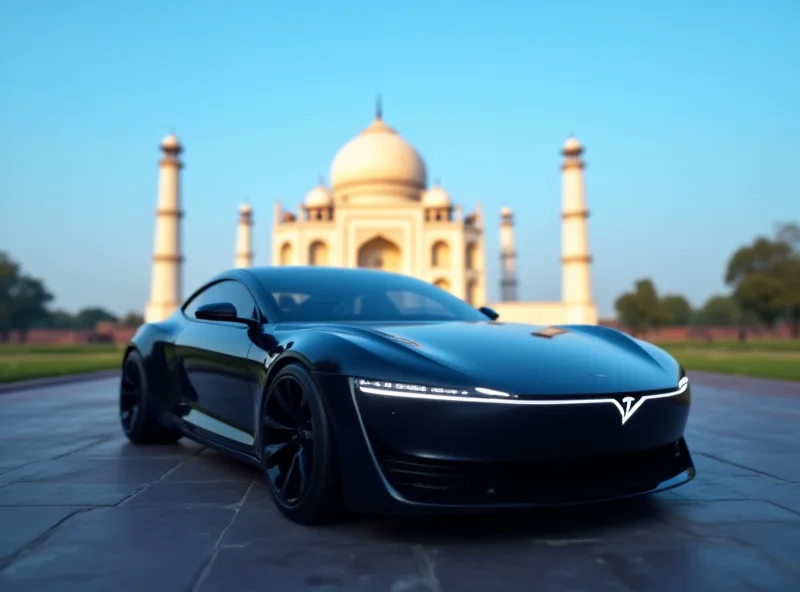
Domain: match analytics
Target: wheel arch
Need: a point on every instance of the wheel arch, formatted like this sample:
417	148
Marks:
288	358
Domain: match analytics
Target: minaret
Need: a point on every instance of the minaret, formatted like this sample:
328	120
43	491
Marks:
508	258
165	286
244	237
575	260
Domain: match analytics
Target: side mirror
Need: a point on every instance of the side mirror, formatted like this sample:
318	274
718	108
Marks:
489	313
218	311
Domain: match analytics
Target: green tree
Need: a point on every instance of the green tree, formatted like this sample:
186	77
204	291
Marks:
760	294
23	299
58	319
9	273
641	309
89	317
132	319
765	277
677	310
788	273
789	234
719	311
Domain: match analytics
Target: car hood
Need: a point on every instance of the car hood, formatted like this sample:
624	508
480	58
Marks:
536	360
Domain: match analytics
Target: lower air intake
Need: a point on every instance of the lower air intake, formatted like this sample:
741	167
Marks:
423	480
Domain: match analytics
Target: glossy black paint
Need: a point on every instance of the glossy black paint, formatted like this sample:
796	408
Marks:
210	374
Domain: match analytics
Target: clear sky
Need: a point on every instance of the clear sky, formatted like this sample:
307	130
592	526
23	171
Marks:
688	110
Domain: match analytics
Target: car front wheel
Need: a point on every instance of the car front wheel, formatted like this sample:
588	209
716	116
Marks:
298	450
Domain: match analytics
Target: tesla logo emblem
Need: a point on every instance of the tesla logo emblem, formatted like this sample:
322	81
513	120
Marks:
630	407
627	401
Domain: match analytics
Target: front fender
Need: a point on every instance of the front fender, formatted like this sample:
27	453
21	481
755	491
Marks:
361	353
154	342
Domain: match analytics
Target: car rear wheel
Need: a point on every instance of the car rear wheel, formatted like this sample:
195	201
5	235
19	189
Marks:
136	410
298	451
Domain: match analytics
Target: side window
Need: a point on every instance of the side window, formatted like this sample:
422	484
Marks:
415	303
239	296
225	291
209	295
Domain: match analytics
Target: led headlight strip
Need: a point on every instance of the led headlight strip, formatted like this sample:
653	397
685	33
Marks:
415	391
627	405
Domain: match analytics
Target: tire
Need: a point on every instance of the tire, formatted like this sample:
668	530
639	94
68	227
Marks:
137	411
296	441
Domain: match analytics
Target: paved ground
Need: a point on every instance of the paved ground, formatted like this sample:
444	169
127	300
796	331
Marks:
82	510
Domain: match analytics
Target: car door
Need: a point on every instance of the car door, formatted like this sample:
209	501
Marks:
213	358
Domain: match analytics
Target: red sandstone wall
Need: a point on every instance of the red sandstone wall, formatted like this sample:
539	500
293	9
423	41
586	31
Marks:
780	332
103	333
111	333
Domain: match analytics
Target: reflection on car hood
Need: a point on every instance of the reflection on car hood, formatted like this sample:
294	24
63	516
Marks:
532	360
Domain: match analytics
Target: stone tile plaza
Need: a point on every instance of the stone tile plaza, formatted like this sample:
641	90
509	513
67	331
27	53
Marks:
82	510
262	332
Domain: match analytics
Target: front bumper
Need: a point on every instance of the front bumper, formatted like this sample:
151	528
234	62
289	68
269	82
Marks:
417	455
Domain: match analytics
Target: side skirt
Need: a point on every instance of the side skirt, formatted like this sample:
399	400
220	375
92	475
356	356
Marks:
210	438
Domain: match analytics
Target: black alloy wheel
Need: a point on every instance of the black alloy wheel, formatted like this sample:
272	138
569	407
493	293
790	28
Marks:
137	412
288	440
299	453
130	397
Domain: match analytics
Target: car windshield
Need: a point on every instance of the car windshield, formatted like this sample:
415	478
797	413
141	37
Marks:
322	295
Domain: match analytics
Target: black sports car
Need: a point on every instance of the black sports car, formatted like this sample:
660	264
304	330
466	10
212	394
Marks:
383	393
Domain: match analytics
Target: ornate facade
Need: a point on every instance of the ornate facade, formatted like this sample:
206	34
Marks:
379	212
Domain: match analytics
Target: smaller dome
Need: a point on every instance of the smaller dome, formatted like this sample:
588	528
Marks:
572	145
170	142
505	212
319	197
436	197
245	208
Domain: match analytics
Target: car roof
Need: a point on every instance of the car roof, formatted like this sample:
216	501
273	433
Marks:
258	279
284	273
289	271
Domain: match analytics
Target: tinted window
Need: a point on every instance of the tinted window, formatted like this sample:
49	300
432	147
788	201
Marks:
225	291
362	296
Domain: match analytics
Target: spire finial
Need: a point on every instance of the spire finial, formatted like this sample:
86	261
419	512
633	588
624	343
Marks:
378	107
437	181
321	180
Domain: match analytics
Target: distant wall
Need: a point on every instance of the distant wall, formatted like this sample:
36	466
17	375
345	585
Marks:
110	333
780	332
102	333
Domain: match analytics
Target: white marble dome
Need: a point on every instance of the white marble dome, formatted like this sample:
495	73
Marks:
436	197
378	155
170	142
319	197
572	145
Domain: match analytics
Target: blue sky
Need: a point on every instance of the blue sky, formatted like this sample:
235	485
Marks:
688	110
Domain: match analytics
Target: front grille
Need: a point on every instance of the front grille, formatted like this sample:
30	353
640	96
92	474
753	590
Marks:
572	481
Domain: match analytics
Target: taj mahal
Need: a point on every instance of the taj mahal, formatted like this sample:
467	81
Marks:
379	211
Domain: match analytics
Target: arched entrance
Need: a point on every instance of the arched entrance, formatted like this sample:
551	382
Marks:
318	253
472	292
379	253
442	283
440	254
286	254
471	256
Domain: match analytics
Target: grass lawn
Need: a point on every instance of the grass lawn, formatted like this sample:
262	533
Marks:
761	359
24	362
